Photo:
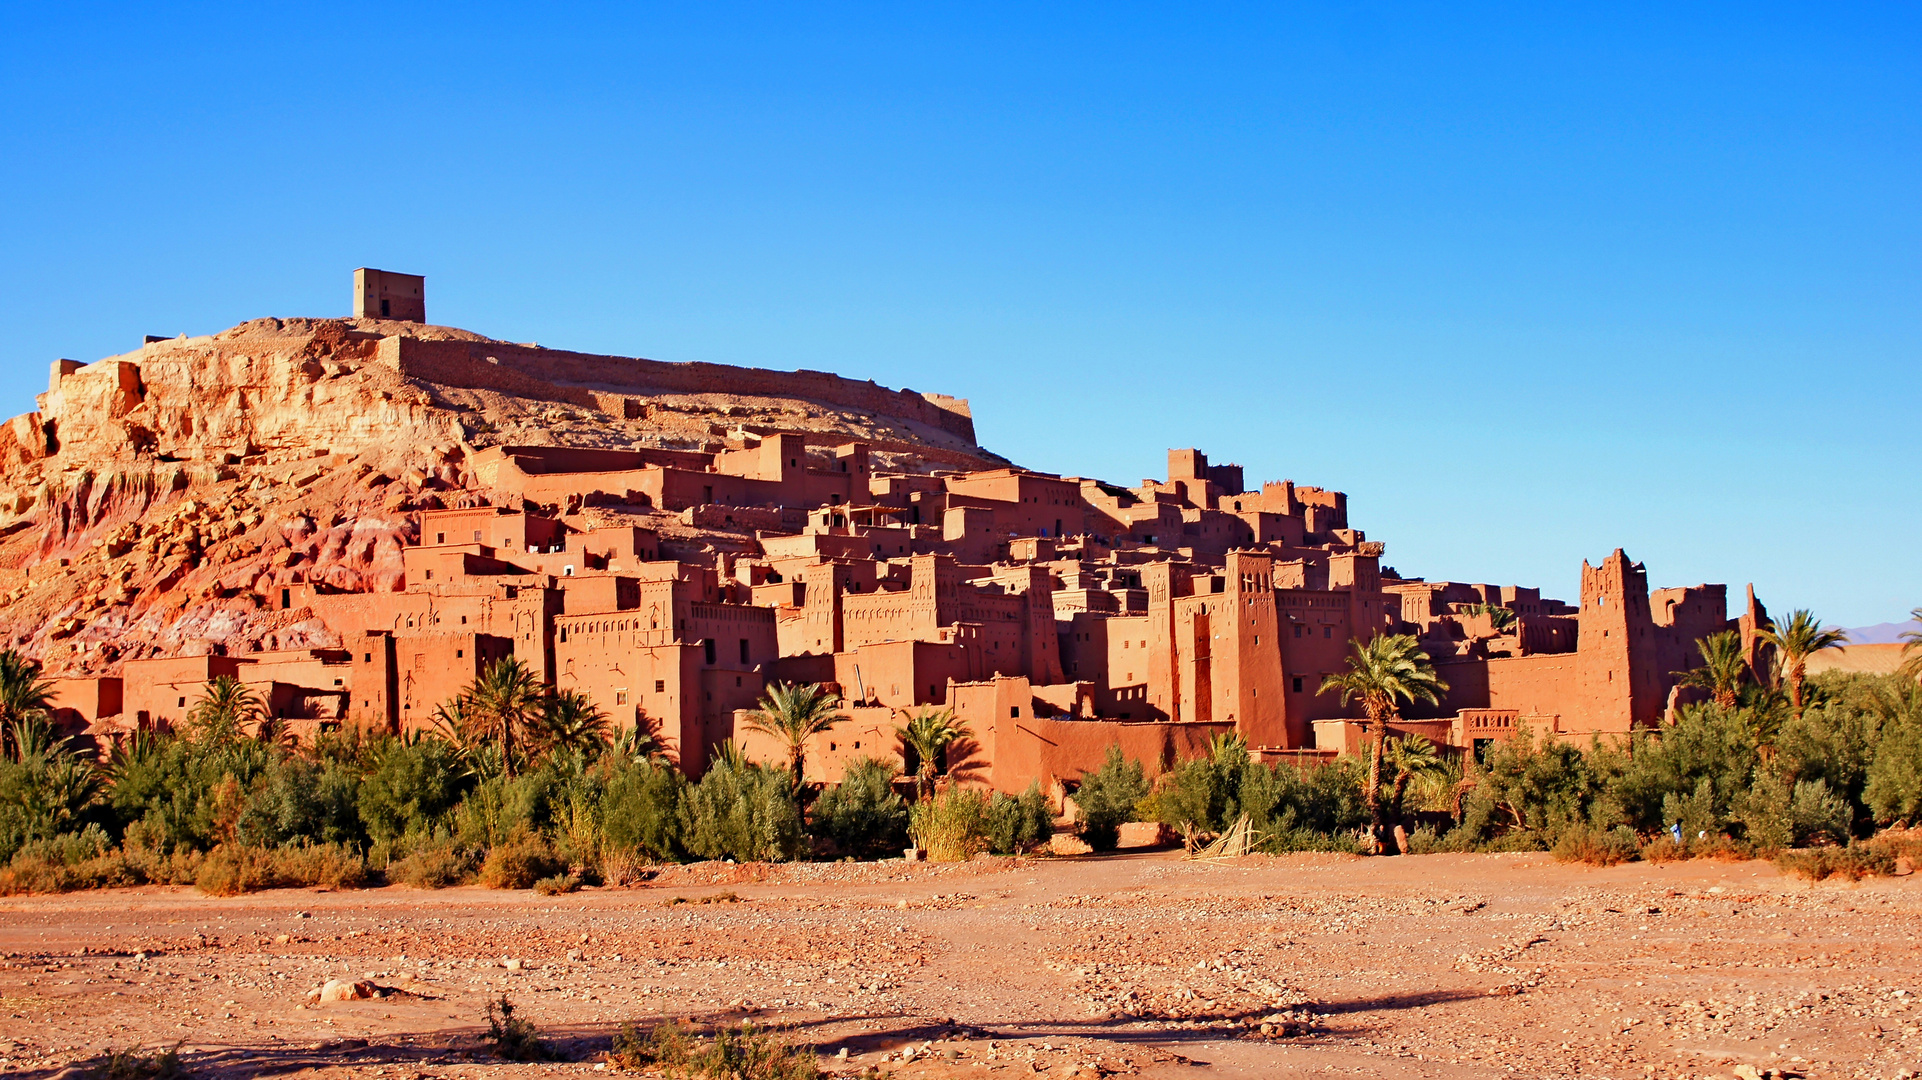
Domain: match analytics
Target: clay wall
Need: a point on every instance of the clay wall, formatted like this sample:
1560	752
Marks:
78	704
433	668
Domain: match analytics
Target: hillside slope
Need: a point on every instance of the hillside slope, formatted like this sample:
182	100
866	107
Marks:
155	500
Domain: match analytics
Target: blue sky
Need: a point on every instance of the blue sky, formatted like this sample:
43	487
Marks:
1529	285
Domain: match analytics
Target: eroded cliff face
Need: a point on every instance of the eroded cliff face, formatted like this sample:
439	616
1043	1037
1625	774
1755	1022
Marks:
156	502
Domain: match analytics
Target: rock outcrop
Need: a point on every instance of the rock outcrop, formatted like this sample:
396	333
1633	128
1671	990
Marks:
154	502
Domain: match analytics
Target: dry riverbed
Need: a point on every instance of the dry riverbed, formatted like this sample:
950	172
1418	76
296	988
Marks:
1136	965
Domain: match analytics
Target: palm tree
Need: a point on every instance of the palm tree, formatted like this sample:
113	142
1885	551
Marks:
643	741
1802	637
24	695
793	714
1412	757
1723	667
1912	648
1388	670
502	705
1502	619
570	721
224	710
929	734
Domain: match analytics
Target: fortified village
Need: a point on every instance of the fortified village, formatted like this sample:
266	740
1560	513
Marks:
356	516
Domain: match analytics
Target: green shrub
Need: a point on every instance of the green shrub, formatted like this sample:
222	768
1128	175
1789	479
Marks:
731	1053
1204	794
1017	824
415	785
1107	799
1598	848
1854	862
336	866
862	815
519	861
433	864
1664	849
1425	841
743	812
233	869
641	810
132	1064
512	1038
952	826
558	884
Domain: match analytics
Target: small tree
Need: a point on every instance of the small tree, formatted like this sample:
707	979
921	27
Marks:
1388	670
1107	798
793	714
1801	637
929	734
862	814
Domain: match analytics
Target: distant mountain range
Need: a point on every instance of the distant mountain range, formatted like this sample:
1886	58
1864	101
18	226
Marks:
1882	633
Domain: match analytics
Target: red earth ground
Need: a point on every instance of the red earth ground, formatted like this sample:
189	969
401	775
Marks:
1136	964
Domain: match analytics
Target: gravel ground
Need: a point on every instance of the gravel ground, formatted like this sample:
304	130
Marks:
1135	965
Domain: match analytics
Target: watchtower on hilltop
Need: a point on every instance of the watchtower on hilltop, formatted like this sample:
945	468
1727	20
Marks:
383	294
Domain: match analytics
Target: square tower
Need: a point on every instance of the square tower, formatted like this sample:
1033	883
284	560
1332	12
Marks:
383	294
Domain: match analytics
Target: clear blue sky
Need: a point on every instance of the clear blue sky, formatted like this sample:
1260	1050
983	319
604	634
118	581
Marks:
1529	286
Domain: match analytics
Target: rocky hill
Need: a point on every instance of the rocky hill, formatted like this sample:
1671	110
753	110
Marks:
154	500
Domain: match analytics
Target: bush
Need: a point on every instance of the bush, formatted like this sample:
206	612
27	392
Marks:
415	785
1107	799
433	864
862	815
131	1064
952	826
1016	824
1598	848
511	1038
520	861
333	865
233	869
742	812
732	1053
641	810
1425	841
1664	849
1854	862
558	884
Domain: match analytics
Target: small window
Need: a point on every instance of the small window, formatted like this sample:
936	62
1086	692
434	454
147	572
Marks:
1296	685
743	650
183	703
1014	712
459	653
430	575
286	599
477	536
367	658
1328	631
440	538
707	649
660	686
620	697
